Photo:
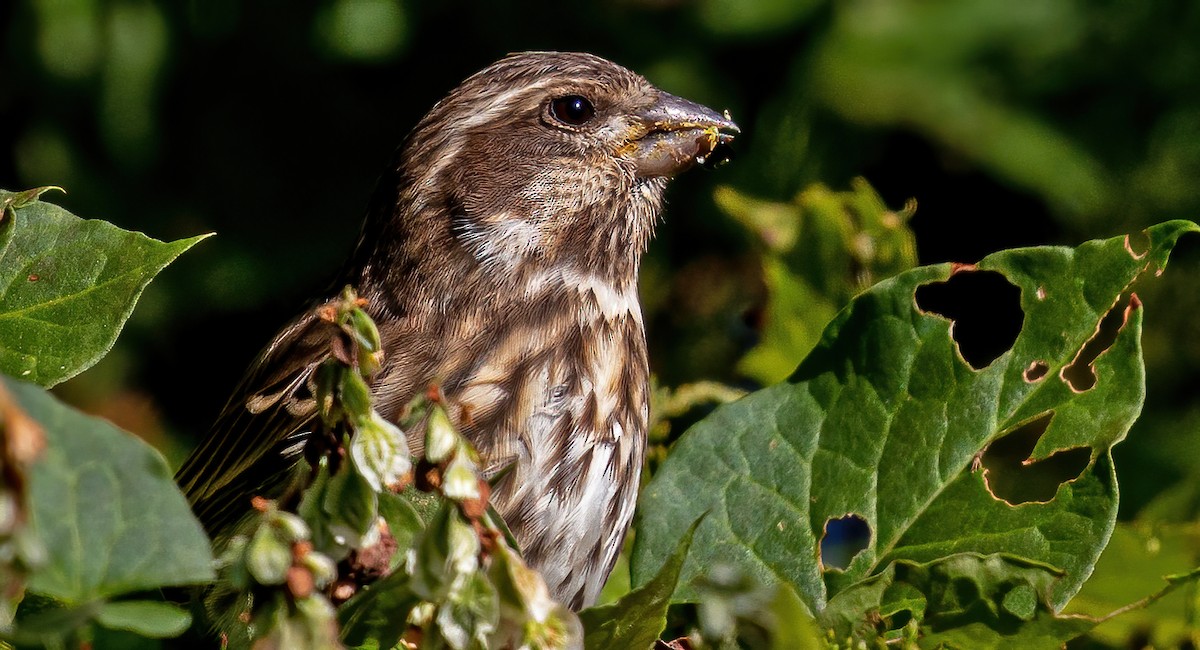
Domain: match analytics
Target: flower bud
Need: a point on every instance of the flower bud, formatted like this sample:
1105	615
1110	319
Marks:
461	482
291	525
268	557
463	546
440	437
323	569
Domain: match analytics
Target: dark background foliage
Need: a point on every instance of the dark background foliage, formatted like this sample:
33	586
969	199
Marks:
1010	123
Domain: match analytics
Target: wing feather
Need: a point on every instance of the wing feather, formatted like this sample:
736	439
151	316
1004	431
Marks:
258	437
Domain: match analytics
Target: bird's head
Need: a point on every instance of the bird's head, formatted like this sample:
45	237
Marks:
553	158
540	161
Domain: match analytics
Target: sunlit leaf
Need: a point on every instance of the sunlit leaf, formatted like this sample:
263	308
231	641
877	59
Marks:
67	286
886	420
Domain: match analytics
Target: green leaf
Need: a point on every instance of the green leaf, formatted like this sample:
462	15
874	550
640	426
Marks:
818	252
10	202
47	624
432	569
147	618
380	451
528	616
306	624
350	505
106	508
103	637
378	612
885	420
636	620
403	520
968	604
794	626
67	286
1132	566
469	612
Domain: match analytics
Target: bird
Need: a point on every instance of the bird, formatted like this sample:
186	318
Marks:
499	259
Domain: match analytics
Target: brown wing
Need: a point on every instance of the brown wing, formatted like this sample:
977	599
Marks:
258	438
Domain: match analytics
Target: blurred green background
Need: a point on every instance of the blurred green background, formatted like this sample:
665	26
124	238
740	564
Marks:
1009	123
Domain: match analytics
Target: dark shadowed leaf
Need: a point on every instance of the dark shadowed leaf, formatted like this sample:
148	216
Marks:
44	623
403	520
372	615
67	286
968	602
886	421
106	509
731	18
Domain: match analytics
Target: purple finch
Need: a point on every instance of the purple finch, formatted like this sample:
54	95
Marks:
500	260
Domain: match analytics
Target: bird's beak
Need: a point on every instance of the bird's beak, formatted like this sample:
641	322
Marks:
673	134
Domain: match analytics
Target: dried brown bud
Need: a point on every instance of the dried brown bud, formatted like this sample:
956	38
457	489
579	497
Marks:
405	480
375	561
434	393
301	549
428	476
487	538
327	313
299	582
342	591
472	508
475	508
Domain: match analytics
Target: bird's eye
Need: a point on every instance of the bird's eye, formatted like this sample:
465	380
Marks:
574	110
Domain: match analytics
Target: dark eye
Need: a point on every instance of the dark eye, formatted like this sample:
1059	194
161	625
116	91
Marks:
572	109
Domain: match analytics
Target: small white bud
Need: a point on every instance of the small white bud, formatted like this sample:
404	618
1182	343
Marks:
461	481
440	437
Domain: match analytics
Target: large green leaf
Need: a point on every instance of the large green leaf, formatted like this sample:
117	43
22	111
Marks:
67	286
886	421
105	507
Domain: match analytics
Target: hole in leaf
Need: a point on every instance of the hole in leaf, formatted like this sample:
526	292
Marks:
844	538
985	309
1079	374
1036	371
1138	244
1012	477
